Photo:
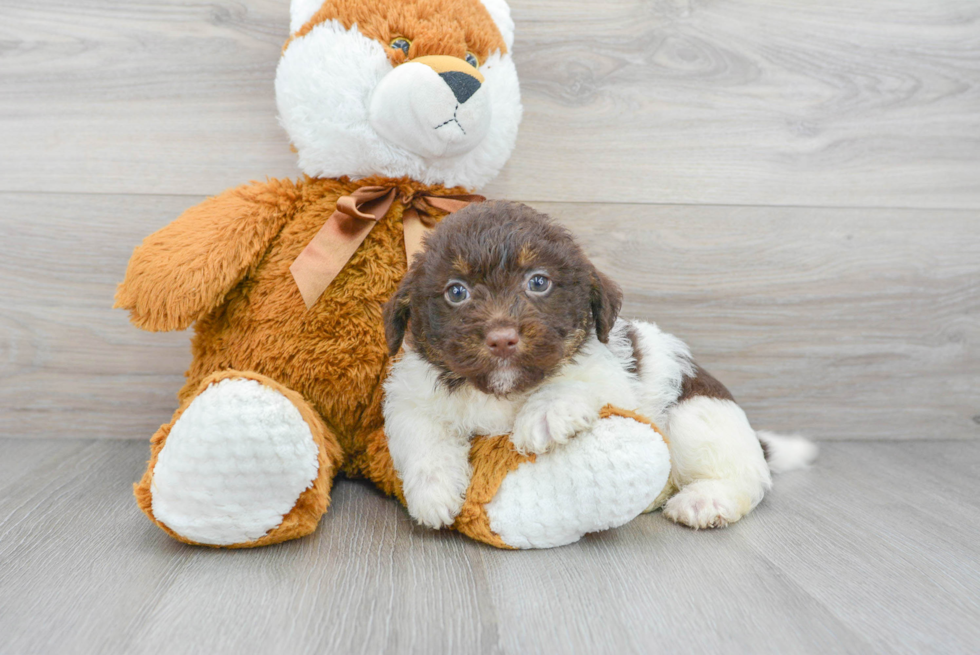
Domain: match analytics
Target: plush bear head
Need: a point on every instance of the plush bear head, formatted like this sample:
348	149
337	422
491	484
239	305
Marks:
419	88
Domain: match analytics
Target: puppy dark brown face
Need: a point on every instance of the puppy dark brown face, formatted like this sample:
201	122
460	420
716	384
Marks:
500	297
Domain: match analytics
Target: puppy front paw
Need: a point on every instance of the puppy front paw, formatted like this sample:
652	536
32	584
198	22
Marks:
434	501
545	422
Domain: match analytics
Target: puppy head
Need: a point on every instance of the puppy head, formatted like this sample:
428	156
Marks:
500	297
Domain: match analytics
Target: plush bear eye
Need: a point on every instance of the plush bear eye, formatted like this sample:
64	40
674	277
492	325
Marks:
472	60
402	44
457	293
538	283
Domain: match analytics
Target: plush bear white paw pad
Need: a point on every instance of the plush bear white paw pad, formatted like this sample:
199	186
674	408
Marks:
602	478
234	464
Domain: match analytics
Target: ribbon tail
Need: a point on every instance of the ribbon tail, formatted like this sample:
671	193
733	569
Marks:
327	254
415	230
416	227
451	204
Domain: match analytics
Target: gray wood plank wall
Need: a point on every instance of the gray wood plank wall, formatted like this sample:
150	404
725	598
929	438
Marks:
792	187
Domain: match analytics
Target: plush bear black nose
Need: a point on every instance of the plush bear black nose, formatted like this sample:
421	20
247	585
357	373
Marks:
463	85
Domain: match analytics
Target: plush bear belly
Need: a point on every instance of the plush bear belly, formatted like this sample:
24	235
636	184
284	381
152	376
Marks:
334	354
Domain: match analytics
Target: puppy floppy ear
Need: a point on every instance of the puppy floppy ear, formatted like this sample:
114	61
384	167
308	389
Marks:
397	311
606	299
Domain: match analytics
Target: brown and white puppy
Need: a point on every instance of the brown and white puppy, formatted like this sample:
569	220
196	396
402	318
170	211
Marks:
509	328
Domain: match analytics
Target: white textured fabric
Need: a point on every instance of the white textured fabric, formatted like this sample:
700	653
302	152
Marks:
233	465
601	479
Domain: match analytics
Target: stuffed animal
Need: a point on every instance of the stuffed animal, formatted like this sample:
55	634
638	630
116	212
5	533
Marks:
397	110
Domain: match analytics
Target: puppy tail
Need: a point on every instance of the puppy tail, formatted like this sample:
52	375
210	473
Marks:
787	452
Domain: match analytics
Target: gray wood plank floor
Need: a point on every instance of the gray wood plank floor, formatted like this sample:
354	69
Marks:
873	550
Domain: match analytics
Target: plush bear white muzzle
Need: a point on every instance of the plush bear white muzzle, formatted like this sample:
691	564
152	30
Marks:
433	107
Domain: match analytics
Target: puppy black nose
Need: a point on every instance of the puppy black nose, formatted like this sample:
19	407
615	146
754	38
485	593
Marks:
502	342
462	84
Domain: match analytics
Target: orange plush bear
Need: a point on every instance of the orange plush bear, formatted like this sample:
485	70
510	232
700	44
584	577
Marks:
396	110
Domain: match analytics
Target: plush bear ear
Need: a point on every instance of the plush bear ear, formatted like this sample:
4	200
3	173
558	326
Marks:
398	310
606	299
499	11
300	11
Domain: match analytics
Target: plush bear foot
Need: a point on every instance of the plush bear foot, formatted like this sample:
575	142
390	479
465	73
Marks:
235	464
602	478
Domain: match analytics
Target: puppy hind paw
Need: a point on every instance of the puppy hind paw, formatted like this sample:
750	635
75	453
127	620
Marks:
705	504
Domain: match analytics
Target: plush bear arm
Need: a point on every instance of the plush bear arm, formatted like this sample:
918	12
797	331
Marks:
187	268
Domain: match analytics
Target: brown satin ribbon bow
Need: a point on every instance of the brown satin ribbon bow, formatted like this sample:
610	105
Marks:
339	238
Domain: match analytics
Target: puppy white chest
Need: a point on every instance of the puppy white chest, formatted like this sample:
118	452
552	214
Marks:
483	414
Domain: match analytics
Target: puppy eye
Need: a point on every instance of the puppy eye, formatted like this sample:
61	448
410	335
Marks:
402	44
457	293
472	60
538	284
